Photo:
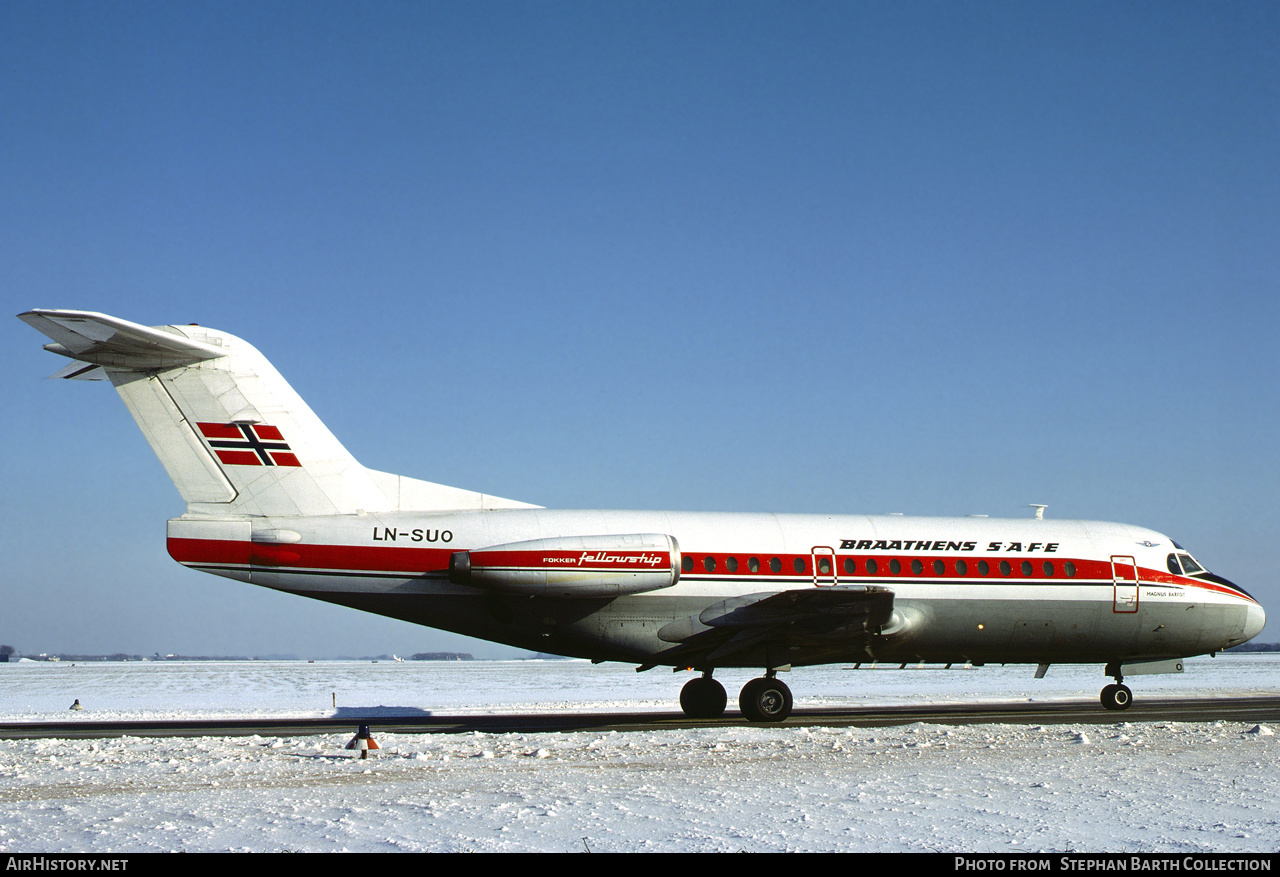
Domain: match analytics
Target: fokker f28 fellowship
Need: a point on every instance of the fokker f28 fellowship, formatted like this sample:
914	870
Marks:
273	499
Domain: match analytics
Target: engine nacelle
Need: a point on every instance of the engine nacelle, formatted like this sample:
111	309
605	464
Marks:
572	566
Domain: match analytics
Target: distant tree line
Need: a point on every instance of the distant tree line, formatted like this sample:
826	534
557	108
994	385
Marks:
7	654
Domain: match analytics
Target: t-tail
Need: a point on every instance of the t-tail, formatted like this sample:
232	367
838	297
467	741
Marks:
232	434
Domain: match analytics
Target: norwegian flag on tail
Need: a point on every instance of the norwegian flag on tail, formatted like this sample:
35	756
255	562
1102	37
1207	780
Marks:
248	444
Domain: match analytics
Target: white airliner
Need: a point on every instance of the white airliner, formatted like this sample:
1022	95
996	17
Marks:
273	499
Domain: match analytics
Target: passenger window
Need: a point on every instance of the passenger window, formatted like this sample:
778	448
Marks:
799	564
686	563
895	566
939	567
962	568
753	564
775	565
1070	569
1048	568
824	566
709	563
731	564
849	566
872	566
984	568
917	567
1026	568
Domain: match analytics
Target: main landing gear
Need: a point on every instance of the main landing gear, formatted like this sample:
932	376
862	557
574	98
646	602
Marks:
703	698
762	700
765	700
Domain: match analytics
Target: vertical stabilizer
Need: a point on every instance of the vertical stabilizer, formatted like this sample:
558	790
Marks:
259	447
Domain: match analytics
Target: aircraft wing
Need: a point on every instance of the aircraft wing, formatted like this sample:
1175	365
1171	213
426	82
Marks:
108	341
817	618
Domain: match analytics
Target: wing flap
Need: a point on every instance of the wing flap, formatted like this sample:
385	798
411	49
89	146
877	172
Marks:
810	617
789	607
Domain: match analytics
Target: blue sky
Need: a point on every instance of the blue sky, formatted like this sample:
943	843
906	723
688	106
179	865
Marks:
933	258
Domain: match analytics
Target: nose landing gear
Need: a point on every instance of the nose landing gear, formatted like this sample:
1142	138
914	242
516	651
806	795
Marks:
1117	695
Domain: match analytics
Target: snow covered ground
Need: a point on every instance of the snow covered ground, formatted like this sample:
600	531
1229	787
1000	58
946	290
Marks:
1120	787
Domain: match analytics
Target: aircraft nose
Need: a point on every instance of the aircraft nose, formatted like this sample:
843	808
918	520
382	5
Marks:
1254	621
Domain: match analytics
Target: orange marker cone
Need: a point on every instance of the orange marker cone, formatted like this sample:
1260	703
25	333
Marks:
363	741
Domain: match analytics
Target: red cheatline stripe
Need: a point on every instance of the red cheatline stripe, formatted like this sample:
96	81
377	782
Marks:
349	557
392	559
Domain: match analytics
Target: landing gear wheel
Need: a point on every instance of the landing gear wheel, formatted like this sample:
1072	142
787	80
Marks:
765	700
1116	697
703	698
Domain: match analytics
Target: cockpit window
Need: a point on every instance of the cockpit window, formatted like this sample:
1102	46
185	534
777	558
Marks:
1173	565
1189	565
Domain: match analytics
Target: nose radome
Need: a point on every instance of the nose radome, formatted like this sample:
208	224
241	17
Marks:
1254	621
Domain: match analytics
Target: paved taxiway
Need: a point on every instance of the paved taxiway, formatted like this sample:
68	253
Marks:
1204	709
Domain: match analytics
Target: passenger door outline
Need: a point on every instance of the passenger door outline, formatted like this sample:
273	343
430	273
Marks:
1124	580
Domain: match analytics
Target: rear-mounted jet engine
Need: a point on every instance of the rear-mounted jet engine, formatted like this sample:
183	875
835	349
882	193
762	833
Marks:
572	566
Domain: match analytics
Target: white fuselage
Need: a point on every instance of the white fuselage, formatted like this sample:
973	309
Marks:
964	589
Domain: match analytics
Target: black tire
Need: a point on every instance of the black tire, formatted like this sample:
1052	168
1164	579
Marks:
1116	697
765	700
703	698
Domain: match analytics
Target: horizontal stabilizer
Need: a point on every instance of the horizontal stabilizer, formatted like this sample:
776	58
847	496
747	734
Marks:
109	341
